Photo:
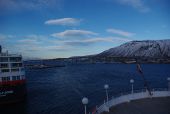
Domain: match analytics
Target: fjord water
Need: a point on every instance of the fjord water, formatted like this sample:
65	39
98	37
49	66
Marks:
60	90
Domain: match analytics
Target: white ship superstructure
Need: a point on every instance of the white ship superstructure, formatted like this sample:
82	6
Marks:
12	77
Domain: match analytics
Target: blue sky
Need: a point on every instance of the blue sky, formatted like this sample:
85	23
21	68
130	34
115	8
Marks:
64	28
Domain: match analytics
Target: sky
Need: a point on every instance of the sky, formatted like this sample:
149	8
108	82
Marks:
64	28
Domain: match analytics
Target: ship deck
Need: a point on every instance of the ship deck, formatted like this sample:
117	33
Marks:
143	106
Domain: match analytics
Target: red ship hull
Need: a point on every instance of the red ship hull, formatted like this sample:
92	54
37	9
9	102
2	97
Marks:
12	91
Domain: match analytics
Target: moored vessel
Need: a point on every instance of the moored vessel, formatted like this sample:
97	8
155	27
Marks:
12	78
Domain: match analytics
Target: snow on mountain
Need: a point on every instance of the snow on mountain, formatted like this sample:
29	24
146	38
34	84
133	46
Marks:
146	48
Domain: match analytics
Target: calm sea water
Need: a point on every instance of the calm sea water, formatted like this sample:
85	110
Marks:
60	90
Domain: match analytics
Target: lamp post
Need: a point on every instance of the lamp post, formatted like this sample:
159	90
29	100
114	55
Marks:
132	81
106	87
85	102
168	83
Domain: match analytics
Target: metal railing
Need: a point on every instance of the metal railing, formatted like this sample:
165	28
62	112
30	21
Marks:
128	96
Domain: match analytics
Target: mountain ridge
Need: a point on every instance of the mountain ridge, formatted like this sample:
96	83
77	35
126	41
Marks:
146	51
145	48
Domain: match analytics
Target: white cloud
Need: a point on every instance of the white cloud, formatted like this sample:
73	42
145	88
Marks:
35	45
120	32
2	37
57	48
90	41
74	34
120	39
29	4
30	48
39	43
64	22
86	42
5	37
137	4
35	37
41	48
30	41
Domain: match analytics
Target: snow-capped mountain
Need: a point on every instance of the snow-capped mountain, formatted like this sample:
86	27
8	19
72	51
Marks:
146	48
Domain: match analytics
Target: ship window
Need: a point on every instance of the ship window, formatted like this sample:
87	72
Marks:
18	77
3	59
15	59
16	64
15	78
5	78
4	65
15	70
5	70
23	77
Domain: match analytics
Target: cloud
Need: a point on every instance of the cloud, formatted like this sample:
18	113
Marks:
85	42
74	34
35	37
2	37
32	48
5	37
6	40
120	32
137	4
29	4
35	45
39	43
120	39
32	39
29	41
57	48
64	22
32	42
90	41
46	48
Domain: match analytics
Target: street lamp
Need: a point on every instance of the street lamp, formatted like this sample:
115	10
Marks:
132	81
106	86
85	102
